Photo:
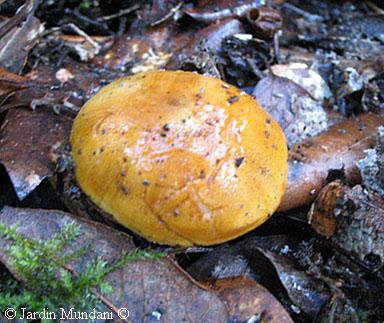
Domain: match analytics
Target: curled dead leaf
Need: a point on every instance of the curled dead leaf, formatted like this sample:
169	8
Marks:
336	150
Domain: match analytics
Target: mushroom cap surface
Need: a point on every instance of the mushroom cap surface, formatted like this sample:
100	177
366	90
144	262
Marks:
179	158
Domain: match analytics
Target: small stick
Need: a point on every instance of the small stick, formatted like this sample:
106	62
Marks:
376	8
301	12
168	15
88	20
120	13
89	39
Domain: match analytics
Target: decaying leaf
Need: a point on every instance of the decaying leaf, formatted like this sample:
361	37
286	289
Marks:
299	115
10	83
307	78
317	159
265	308
149	289
28	140
269	261
353	219
150	47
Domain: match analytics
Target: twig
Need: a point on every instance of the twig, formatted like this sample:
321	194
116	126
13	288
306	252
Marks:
254	67
376	8
88	20
89	39
186	274
276	46
120	13
168	15
309	16
102	298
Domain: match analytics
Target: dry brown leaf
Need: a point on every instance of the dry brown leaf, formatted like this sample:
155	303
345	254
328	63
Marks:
338	149
10	82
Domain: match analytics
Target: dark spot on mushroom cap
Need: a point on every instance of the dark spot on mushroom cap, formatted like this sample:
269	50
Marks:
123	173
267	134
233	99
125	159
146	182
239	161
268	121
79	151
124	189
163	134
102	149
166	127
103	131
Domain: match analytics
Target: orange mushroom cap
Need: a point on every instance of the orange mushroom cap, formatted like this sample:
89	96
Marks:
180	158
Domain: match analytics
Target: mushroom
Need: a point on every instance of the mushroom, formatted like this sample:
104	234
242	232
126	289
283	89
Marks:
179	158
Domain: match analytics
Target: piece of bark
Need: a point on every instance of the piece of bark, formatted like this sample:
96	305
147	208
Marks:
336	150
265	21
353	219
148	289
18	36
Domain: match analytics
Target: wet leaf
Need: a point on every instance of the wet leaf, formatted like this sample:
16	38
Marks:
306	78
142	46
299	115
147	288
269	261
28	140
264	308
315	161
